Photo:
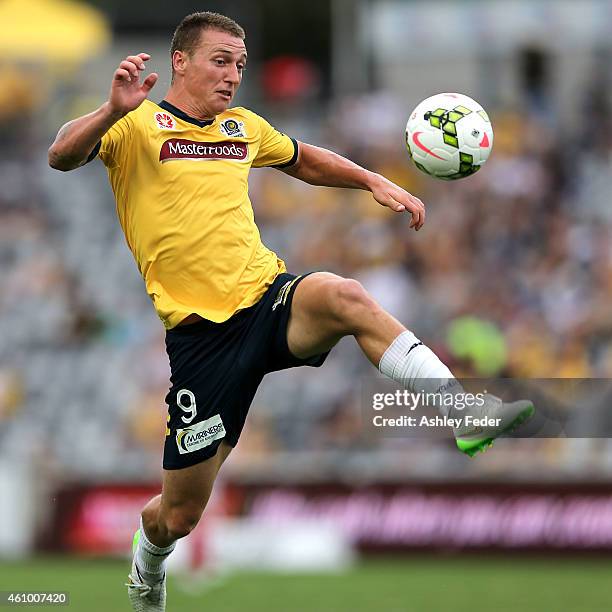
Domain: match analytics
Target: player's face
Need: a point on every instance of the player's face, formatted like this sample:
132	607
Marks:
214	71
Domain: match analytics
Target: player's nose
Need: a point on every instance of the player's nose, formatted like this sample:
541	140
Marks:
233	75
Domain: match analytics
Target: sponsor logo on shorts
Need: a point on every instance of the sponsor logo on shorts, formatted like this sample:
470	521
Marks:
199	435
179	148
233	128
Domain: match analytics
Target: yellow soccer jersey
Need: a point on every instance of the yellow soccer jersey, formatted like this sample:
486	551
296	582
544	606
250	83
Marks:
182	199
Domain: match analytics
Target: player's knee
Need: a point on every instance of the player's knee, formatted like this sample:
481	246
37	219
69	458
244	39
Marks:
181	521
350	301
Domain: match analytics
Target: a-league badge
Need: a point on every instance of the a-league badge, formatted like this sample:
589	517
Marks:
232	128
164	121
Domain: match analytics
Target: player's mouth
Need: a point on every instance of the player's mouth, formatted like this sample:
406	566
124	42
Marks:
226	94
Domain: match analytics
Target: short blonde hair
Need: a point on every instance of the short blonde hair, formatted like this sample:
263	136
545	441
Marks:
187	34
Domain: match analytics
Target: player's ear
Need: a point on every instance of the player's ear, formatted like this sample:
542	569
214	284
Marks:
179	62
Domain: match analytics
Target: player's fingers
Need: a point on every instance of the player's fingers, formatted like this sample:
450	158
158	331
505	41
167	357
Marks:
144	56
148	83
414	201
418	202
136	60
416	220
122	75
130	67
396	205
421	210
400	200
418	206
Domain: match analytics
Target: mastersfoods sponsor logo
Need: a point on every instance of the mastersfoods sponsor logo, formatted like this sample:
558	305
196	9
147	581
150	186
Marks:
179	148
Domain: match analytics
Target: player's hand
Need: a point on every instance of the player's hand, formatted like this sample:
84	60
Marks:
394	197
127	92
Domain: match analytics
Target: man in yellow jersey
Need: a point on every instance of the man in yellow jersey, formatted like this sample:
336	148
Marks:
179	172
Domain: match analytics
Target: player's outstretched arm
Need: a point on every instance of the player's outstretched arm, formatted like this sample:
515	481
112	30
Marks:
319	166
77	139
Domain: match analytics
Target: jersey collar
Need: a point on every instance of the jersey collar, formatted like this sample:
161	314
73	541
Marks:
177	112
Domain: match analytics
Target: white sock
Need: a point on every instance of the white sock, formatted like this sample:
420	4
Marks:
151	559
415	366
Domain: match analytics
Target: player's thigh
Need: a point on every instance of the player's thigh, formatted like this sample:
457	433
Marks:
188	489
314	324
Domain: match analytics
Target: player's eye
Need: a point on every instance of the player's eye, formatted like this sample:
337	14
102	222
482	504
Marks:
220	62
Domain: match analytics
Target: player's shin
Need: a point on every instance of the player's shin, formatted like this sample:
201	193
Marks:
415	366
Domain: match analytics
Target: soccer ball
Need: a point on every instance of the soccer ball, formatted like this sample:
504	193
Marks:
449	136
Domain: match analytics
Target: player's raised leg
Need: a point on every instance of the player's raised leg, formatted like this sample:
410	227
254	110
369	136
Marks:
164	520
327	307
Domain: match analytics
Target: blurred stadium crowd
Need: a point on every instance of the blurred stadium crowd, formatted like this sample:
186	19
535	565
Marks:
511	276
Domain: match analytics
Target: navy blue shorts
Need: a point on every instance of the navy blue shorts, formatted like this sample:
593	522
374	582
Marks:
216	369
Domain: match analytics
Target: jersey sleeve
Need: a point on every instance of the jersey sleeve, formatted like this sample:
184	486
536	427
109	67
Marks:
113	148
275	148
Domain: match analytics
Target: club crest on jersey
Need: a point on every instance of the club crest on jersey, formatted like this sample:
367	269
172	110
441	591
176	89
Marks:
232	128
165	121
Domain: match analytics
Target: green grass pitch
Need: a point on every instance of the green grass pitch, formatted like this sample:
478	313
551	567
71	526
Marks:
429	584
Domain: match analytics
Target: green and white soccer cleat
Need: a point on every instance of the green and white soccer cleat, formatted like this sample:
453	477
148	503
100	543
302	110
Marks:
482	424
145	597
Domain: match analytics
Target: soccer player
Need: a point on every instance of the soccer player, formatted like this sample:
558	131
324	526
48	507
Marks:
179	171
